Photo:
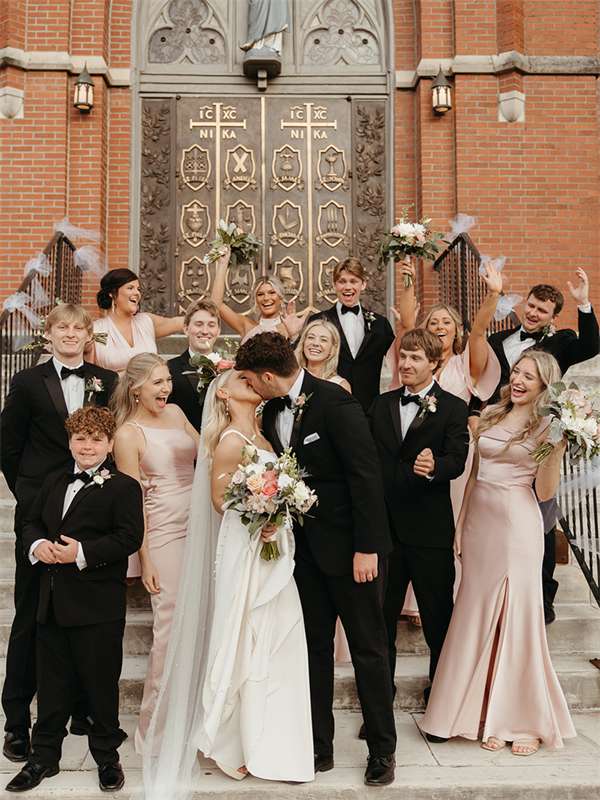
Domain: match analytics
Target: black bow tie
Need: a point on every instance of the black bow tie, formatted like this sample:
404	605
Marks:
405	399
77	476
536	336
351	309
66	371
284	402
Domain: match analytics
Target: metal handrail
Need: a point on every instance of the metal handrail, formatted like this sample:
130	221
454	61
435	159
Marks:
64	282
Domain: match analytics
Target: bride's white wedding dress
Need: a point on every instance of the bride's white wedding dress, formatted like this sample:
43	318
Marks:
240	694
256	694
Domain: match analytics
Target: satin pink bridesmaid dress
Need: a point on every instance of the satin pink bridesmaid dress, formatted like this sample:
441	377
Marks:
495	666
117	352
167	472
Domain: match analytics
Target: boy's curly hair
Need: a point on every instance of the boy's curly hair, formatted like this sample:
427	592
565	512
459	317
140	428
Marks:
91	420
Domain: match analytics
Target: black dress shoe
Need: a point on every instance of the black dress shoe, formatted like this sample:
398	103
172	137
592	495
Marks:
323	763
31	775
362	734
381	770
17	744
81	727
549	614
110	777
435	739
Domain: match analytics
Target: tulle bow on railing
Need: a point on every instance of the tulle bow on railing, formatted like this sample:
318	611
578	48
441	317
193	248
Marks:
74	233
89	259
22	332
43	268
462	223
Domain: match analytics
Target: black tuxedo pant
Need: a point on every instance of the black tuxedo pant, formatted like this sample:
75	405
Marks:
359	605
431	571
88	656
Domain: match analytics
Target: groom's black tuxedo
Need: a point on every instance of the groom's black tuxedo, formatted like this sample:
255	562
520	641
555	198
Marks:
185	388
564	345
363	373
34	443
81	613
420	509
332	442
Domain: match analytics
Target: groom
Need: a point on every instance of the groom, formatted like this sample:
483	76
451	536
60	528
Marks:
342	548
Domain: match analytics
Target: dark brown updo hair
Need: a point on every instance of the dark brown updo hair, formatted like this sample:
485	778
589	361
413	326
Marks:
111	283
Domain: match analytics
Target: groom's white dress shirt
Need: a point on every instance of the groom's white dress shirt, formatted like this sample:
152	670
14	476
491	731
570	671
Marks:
353	326
284	423
410	410
72	490
73	388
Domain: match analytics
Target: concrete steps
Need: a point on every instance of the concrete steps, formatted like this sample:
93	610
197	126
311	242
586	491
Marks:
456	770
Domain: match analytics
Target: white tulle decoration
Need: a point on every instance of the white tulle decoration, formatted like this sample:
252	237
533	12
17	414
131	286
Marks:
585	478
462	223
506	304
496	262
43	268
74	233
22	333
89	259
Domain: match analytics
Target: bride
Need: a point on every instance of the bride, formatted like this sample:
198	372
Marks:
236	675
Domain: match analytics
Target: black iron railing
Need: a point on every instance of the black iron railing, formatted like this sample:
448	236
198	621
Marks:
461	286
62	283
581	519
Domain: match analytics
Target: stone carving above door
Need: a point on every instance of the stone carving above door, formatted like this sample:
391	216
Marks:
187	30
341	32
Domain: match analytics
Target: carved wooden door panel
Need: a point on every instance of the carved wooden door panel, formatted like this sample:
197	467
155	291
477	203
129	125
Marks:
307	175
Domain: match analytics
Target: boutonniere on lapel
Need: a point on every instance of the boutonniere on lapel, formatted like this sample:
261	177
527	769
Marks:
547	332
369	318
100	478
300	405
93	386
428	405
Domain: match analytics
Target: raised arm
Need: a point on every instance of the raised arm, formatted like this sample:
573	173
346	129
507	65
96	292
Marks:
238	322
406	316
588	344
166	326
478	346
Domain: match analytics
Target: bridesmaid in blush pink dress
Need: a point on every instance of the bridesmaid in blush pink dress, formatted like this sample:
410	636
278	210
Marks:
156	444
472	371
495	666
268	297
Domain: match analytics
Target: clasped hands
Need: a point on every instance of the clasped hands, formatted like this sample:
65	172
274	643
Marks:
57	553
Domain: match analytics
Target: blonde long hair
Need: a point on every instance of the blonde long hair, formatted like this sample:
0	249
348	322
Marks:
458	345
331	364
215	414
136	373
549	372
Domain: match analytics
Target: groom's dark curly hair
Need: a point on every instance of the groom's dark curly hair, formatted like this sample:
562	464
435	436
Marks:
267	352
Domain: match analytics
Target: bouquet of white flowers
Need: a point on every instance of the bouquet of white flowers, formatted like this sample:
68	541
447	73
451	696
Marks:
573	417
268	491
244	247
410	239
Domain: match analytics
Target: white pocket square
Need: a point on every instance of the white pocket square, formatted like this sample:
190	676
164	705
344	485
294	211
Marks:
312	438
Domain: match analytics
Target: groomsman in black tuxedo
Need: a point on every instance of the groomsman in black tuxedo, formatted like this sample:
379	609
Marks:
342	549
83	525
366	336
421	437
202	326
33	444
540	315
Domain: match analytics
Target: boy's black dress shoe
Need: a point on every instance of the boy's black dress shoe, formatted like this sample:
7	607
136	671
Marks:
110	777
380	770
362	734
323	763
549	614
31	775
17	744
435	739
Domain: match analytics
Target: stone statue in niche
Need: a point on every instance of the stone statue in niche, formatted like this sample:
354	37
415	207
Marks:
267	20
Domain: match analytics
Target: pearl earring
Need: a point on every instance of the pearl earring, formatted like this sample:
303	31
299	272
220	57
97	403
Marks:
137	399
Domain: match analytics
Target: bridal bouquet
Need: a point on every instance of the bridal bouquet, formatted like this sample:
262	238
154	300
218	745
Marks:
244	247
268	491
573	417
410	239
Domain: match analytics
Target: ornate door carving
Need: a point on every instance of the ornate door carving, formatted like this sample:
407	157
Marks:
307	175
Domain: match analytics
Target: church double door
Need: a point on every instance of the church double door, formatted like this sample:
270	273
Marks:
306	175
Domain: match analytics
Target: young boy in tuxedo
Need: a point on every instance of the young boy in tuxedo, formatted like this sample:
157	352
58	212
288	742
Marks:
83	525
366	336
420	433
202	326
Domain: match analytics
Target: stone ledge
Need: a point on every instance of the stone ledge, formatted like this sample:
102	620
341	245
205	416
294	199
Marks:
63	61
